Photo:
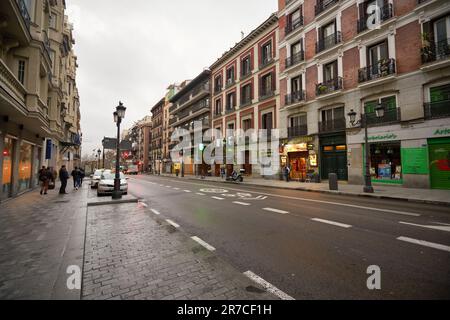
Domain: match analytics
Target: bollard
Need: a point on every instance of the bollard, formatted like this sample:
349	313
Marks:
333	181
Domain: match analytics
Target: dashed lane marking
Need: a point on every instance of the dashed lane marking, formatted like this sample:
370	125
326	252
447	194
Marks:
187	191
176	225
155	211
441	228
241	203
200	194
276	210
218	198
144	204
268	286
425	243
203	243
342	225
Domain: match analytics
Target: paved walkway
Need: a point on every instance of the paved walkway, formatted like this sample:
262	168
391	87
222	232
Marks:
125	252
441	197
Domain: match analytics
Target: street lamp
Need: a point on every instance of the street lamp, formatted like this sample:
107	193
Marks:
119	114
99	152
379	112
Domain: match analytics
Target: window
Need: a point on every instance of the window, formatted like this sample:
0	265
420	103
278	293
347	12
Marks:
440	94
296	84
330	71
218	107
246	67
298	121
21	72
328	30
218	84
246	124
230	126
30	8
52	20
266	53
333	114
390	110
230	75
442	30
377	53
266	85
52	58
246	94
294	19
266	122
296	48
231	101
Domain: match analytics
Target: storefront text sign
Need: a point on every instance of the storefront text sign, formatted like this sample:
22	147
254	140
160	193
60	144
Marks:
385	137
441	132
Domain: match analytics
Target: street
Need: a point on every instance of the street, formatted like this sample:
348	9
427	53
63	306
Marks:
311	245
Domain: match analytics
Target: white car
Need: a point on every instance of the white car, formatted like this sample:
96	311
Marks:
97	176
106	184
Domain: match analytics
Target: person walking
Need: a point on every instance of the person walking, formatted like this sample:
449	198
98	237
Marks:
74	174
287	172
63	176
44	178
82	176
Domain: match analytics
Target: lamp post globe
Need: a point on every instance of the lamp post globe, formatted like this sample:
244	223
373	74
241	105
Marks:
119	114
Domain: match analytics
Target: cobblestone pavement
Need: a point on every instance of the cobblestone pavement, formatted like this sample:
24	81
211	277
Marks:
130	254
39	237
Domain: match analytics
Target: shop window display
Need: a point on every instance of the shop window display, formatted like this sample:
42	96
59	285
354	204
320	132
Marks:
385	162
25	157
7	168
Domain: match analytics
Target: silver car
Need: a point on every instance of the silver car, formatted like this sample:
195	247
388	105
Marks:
97	176
106	184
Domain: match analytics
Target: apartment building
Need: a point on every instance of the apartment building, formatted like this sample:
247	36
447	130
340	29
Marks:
36	66
157	136
191	104
395	75
246	89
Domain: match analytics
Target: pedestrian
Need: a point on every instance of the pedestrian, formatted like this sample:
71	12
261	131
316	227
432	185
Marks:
287	172
63	176
44	179
82	176
222	172
76	175
52	175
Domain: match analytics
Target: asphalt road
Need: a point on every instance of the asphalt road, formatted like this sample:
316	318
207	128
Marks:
312	245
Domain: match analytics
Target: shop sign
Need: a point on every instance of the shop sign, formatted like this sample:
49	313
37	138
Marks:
415	161
297	147
313	159
391	136
441	132
48	149
304	139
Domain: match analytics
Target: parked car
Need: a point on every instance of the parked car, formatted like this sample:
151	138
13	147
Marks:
95	178
106	184
132	169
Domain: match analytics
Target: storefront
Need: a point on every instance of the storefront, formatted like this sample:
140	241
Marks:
301	157
386	162
7	167
333	156
439	159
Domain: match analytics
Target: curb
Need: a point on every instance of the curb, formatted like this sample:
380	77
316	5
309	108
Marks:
375	196
104	203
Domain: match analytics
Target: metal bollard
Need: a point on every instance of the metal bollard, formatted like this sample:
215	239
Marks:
333	181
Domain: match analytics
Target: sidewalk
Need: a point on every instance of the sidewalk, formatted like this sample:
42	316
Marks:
123	250
439	197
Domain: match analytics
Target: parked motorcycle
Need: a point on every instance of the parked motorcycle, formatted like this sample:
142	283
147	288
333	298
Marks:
235	177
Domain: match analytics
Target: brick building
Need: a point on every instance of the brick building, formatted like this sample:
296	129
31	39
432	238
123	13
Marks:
333	61
157	136
245	88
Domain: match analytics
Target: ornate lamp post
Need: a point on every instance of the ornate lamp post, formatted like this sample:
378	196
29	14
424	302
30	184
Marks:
99	152
379	111
119	114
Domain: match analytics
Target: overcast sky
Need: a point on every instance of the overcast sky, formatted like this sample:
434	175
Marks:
132	50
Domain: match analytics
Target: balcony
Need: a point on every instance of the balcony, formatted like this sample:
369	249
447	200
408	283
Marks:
293	25
11	84
295	59
46	42
204	88
332	125
329	86
230	82
229	109
217	113
295	97
217	88
266	94
245	73
173	120
297	131
322	5
382	68
265	62
386	13
436	110
24	13
173	108
390	117
328	42
246	100
203	104
436	51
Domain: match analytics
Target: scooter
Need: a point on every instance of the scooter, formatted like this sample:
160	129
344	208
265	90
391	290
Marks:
235	177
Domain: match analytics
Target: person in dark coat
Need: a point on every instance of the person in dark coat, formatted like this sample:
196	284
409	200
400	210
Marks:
63	176
44	178
82	176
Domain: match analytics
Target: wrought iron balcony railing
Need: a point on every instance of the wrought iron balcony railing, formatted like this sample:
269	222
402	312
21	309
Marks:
438	109
328	42
436	51
293	25
24	13
329	86
297	131
266	93
295	59
386	12
332	125
382	68
322	5
265	62
246	100
294	97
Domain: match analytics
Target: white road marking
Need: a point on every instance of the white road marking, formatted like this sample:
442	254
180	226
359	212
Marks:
332	223
447	228
176	225
168	187
187	191
318	201
155	211
176	188
425	243
144	204
276	210
268	286
200	194
241	203
217	198
203	243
